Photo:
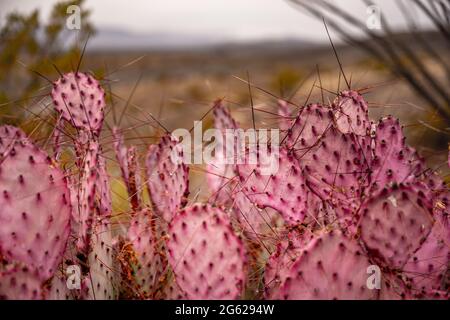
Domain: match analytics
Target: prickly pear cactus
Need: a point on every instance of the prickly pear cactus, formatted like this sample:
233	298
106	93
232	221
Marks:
84	195
19	282
103	278
80	100
134	185
167	177
149	251
59	289
351	113
393	287
284	191
331	266
428	268
337	169
129	167
35	208
121	153
395	223
9	135
394	161
307	129
207	258
341	195
280	262
254	221
220	171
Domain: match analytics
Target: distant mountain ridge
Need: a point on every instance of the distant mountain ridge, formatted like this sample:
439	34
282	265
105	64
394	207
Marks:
121	40
111	39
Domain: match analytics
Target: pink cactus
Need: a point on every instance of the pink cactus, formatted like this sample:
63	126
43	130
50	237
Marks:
220	171
251	219
19	282
284	191
351	113
208	259
395	223
149	250
344	195
102	281
337	168
129	167
307	129
331	266
393	287
80	100
281	261
394	161
35	213
35	208
167	177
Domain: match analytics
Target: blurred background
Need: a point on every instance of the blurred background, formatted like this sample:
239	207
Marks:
172	58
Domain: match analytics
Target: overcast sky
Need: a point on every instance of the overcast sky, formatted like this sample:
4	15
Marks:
228	19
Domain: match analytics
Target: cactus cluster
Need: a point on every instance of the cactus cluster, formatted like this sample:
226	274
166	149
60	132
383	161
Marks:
349	196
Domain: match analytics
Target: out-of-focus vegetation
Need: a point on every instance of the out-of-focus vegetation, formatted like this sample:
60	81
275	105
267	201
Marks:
403	58
286	80
31	51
